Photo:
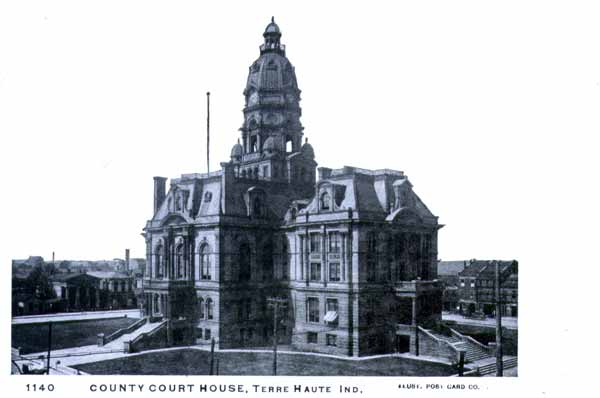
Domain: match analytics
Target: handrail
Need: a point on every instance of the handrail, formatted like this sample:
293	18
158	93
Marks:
472	340
126	330
150	333
440	341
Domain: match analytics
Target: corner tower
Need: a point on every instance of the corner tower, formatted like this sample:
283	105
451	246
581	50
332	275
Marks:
271	146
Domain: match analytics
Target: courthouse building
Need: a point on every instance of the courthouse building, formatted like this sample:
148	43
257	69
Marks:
351	252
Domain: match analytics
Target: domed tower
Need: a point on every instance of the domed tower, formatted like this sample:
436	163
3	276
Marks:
271	131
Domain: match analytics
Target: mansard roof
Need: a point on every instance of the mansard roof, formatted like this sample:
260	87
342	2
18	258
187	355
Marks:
369	193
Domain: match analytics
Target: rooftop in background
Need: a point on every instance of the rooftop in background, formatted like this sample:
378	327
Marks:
451	267
476	268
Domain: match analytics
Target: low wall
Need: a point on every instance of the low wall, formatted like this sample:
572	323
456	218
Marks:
123	331
157	338
429	345
487	334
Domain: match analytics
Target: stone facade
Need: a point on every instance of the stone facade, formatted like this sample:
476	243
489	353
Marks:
352	255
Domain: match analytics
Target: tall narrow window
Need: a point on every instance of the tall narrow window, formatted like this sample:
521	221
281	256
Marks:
371	257
334	272
334	242
312	305
325	201
209	308
179	261
257	207
244	263
158	261
267	262
201	307
315	243
205	262
284	260
315	271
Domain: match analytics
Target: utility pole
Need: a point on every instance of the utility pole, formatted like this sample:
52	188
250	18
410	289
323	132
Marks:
274	303
49	347
212	356
499	364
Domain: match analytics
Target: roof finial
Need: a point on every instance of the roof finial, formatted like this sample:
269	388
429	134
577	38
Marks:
272	19
306	140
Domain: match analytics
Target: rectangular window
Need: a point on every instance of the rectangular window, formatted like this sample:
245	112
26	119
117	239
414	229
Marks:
315	243
371	269
332	305
334	242
331	340
313	309
206	334
312	338
334	272
315	271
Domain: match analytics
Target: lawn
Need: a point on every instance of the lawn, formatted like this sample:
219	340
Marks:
34	337
196	362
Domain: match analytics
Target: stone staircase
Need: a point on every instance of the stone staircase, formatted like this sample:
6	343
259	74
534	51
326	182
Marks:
473	350
145	328
452	339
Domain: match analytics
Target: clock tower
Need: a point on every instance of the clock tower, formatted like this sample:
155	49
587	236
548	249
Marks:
271	130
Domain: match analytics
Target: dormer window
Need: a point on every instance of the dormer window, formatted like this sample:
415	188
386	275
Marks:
325	201
207	197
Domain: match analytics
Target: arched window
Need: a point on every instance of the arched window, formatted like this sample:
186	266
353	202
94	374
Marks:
267	261
284	259
179	261
201	307
209	308
207	197
205	262
244	173
371	257
325	201
256	172
244	263
158	261
293	213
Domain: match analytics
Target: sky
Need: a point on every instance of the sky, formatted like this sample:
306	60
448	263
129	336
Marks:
473	101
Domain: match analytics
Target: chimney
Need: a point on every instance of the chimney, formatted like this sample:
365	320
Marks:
159	192
126	259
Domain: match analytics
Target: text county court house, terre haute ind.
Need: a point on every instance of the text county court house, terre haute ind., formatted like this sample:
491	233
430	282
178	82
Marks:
353	252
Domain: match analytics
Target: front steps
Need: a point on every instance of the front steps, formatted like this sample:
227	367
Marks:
473	350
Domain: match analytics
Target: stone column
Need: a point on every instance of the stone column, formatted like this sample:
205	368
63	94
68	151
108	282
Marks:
97	298
77	297
415	308
67	297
